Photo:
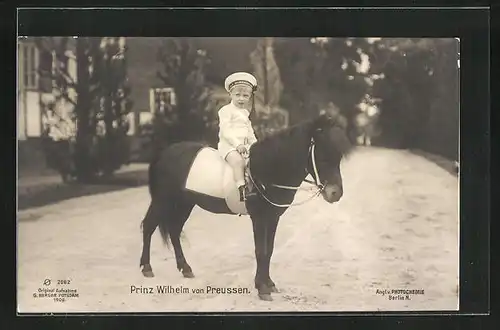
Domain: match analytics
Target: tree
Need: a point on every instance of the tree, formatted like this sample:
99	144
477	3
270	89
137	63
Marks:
419	107
317	71
267	73
79	92
115	104
227	55
295	58
189	117
268	117
345	72
85	89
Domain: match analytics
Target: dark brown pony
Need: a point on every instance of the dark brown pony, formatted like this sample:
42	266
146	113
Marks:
315	147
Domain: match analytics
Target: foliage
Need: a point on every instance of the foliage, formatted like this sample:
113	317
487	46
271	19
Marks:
419	93
318	71
95	91
188	117
267	73
115	104
414	80
267	117
268	123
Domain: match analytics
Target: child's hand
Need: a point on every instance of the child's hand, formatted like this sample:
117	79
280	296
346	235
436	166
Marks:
241	149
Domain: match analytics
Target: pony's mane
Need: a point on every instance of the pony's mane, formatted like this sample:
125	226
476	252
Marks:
277	155
280	155
275	141
284	135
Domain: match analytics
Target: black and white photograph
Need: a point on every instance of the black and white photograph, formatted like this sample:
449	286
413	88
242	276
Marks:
237	174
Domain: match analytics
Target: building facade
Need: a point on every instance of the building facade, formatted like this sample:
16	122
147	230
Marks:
148	92
35	90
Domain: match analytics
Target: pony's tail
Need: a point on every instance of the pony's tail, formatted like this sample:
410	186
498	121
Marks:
165	233
152	171
151	178
148	213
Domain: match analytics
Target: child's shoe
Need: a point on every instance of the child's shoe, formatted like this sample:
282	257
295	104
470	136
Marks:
242	190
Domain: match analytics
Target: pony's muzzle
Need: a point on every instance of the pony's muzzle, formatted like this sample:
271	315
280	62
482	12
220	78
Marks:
332	193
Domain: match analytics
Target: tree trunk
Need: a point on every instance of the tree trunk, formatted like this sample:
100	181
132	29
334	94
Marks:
108	119
83	107
264	59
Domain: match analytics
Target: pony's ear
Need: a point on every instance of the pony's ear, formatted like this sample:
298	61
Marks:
326	120
323	121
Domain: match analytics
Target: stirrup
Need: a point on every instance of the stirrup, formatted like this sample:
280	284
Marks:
242	191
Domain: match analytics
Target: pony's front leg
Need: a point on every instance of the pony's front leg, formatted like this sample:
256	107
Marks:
264	229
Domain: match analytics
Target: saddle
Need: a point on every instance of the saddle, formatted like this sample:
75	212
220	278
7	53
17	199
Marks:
211	175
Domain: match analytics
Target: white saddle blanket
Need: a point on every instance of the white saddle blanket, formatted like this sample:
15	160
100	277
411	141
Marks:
211	175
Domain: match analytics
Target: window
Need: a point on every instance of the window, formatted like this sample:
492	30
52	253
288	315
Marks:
29	62
45	80
161	99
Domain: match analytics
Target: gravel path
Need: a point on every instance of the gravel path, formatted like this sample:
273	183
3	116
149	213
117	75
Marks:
395	228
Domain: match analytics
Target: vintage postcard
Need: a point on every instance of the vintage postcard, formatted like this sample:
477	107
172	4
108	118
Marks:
169	174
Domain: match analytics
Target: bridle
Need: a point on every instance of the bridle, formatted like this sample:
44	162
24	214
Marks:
316	182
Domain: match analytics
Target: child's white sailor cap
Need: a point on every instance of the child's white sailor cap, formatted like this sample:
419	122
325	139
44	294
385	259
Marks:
240	78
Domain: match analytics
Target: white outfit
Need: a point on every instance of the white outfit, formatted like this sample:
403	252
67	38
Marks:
235	128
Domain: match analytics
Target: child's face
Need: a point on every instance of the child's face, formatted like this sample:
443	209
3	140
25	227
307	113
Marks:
240	95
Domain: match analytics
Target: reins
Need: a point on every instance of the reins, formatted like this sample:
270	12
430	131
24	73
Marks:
317	182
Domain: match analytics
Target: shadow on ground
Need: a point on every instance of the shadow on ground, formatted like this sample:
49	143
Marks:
56	192
448	165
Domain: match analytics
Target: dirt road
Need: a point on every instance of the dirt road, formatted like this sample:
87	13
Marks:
395	228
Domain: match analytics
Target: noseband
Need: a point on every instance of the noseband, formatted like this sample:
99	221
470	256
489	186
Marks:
317	181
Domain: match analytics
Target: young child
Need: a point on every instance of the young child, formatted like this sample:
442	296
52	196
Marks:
236	134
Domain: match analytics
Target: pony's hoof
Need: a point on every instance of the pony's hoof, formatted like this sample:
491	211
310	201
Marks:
148	273
265	296
188	274
274	289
